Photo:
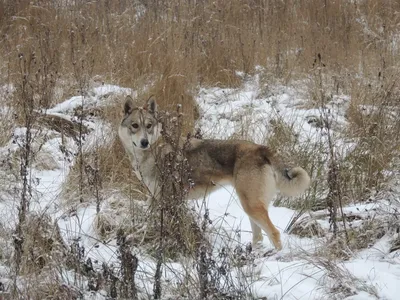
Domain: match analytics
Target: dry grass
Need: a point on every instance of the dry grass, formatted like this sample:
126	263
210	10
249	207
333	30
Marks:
51	50
373	115
6	115
108	164
44	246
173	46
339	281
204	42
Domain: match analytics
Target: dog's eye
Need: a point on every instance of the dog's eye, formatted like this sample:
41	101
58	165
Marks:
149	126
135	125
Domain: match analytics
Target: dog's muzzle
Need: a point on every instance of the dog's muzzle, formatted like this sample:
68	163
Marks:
144	143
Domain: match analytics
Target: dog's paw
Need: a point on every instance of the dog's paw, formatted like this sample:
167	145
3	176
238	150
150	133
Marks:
257	239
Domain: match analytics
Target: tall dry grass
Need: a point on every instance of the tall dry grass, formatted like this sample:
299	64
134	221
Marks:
171	47
203	41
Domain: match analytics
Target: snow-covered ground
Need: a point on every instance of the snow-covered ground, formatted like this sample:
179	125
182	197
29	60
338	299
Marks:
373	273
288	275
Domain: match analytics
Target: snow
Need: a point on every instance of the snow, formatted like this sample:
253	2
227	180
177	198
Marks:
382	275
95	97
284	275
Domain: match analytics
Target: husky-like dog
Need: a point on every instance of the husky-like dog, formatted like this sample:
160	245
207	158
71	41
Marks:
254	170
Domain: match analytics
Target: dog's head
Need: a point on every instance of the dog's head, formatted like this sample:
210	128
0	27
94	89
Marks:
139	128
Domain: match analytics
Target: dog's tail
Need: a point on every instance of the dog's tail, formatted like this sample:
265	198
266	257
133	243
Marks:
292	182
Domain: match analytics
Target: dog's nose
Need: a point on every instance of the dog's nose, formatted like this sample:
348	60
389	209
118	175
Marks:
144	143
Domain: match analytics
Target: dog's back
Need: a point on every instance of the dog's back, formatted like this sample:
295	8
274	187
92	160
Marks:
215	161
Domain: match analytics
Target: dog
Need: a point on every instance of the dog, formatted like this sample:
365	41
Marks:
255	171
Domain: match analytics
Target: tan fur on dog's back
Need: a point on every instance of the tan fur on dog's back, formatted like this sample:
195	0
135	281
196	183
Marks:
254	170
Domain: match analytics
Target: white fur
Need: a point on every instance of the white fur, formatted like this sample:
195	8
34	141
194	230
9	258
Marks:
298	184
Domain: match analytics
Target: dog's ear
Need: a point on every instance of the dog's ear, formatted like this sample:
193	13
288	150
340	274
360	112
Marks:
151	105
128	107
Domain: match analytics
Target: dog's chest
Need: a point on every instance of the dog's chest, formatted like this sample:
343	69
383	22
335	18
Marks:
146	171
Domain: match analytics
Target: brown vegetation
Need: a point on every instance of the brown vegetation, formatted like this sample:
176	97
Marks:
50	50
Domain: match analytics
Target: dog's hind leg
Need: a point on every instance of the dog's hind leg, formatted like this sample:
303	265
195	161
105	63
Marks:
257	234
258	213
256	188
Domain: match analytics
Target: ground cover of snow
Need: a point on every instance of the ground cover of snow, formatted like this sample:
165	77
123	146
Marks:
289	274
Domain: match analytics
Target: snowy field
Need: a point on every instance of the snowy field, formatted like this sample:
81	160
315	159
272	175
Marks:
293	273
